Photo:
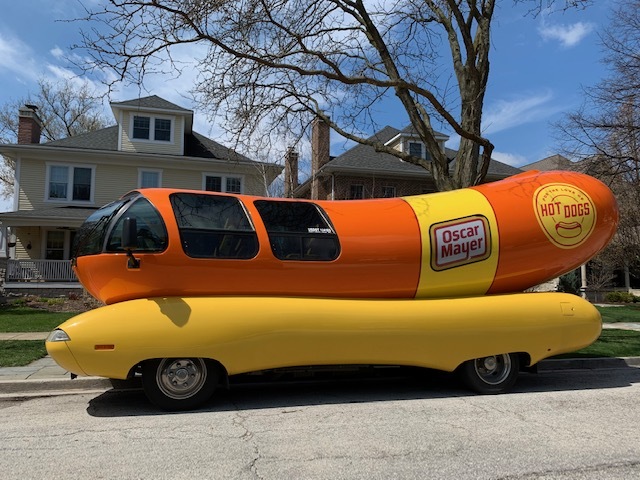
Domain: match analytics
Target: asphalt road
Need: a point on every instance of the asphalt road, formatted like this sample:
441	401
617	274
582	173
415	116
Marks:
556	425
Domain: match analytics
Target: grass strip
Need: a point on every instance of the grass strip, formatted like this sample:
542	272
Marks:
26	319
17	353
611	343
615	314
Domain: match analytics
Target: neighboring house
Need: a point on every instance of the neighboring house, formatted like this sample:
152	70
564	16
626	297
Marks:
59	183
361	172
554	162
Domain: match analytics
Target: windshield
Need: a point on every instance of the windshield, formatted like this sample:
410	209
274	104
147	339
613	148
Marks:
90	238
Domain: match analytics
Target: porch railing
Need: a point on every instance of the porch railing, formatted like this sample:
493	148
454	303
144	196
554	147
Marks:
40	271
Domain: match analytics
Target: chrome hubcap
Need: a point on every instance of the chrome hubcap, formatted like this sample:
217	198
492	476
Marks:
494	369
181	378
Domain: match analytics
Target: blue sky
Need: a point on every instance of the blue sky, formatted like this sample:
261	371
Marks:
538	68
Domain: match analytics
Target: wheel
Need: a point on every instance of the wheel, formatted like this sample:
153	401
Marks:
493	374
179	383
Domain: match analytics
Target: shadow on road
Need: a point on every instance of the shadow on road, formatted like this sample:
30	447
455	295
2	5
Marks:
247	393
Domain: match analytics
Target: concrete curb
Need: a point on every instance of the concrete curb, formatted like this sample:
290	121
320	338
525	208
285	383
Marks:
67	386
599	363
51	385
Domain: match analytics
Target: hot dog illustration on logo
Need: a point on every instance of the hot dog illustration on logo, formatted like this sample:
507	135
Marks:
566	214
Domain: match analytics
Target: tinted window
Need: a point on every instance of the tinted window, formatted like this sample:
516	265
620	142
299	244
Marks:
90	237
151	233
298	231
214	226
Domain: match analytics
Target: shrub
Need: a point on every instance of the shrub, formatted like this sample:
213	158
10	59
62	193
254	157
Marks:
620	297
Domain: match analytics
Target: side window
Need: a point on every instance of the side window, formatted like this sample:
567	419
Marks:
214	226
298	231
151	233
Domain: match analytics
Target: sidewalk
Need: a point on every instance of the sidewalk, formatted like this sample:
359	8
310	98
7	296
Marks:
44	376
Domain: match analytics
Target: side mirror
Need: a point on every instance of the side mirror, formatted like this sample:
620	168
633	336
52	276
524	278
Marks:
130	240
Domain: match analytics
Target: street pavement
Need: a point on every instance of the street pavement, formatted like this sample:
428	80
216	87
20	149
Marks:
45	377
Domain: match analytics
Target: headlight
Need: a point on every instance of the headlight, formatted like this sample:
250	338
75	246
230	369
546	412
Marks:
58	336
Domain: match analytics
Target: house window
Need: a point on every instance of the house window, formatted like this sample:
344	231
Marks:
70	183
221	183
57	244
234	185
149	178
356	192
415	149
388	191
143	126
162	130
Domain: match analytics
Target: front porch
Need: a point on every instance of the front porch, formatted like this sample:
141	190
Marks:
40	277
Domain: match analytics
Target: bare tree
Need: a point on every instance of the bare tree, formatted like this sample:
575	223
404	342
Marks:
605	132
275	64
66	108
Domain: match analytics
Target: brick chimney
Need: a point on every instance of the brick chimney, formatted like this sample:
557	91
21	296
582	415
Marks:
29	125
319	152
290	172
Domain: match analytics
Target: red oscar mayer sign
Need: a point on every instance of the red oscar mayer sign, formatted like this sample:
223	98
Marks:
460	242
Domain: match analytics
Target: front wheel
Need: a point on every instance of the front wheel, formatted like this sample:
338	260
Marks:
179	383
492	374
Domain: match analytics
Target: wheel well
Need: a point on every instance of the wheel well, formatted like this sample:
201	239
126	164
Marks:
223	378
525	360
523	357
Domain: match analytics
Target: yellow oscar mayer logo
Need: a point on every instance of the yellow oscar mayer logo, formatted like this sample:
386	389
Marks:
565	213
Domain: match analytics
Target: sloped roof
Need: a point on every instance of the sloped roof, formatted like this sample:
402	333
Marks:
554	162
196	145
152	102
70	215
365	158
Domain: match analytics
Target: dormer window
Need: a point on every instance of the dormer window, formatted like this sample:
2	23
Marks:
415	149
158	129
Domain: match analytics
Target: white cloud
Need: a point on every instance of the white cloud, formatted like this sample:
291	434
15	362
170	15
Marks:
509	158
57	52
568	35
506	114
16	57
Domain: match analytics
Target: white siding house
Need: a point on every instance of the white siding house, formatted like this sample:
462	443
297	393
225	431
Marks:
59	183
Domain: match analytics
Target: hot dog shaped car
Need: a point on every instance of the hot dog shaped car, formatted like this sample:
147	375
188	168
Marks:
495	238
201	285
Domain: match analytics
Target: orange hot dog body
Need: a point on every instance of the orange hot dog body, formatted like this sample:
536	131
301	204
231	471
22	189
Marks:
495	238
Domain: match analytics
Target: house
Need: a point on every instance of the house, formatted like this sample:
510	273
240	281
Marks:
361	172
59	183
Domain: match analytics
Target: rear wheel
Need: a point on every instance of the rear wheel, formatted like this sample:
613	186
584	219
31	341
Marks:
492	374
179	383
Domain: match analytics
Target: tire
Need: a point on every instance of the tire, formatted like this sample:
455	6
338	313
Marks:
176	384
492	374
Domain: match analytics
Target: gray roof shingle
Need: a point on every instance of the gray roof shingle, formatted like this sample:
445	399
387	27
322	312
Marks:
365	158
196	145
152	101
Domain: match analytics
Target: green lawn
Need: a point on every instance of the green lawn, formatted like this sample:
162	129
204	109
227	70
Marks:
612	343
26	319
626	313
16	353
